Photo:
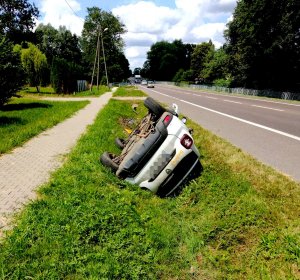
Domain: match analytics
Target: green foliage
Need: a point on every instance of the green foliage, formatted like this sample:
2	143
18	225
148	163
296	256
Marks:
64	76
21	119
58	43
265	53
11	72
201	56
110	35
217	68
34	63
165	59
184	76
222	82
239	220
17	18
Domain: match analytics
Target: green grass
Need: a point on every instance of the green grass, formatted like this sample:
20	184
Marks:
239	220
33	90
49	91
128	91
21	119
95	92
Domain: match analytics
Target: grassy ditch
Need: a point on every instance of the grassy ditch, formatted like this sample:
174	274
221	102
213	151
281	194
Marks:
21	119
127	91
239	220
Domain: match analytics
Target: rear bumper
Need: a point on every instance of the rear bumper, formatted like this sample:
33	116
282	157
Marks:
188	168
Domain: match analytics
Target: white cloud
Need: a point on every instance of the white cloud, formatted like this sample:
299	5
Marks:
58	13
193	21
208	31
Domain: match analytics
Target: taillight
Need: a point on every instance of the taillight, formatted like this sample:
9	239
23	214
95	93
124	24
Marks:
186	141
167	120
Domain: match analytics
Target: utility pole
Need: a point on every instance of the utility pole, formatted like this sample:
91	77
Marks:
97	57
101	34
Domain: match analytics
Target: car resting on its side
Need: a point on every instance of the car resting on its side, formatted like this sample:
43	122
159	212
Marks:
159	154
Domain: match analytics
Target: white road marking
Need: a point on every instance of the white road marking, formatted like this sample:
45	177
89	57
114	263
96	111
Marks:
232	101
236	118
245	121
268	108
250	97
209	97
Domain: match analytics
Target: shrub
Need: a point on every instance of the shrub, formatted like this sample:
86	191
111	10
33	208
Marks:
64	75
222	82
11	72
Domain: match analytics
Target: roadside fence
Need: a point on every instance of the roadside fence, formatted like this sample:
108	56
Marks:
245	91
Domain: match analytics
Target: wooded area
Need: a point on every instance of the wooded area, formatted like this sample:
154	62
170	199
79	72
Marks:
56	56
262	51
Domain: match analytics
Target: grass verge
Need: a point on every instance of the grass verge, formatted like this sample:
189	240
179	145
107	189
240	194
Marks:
128	91
239	220
21	119
49	91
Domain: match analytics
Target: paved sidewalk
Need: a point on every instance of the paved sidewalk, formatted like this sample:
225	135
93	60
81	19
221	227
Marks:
28	167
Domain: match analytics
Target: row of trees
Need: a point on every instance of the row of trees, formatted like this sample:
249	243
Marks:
56	56
262	51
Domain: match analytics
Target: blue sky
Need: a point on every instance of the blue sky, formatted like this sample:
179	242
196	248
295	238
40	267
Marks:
147	22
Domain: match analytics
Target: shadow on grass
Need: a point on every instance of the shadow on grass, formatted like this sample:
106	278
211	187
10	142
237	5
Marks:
10	120
24	106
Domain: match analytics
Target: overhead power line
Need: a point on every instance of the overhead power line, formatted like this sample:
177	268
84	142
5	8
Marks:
73	10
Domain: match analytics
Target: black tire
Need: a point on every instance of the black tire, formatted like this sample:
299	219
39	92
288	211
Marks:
107	160
154	107
120	143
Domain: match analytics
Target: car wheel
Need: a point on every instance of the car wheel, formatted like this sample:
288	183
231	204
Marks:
120	143
154	107
107	160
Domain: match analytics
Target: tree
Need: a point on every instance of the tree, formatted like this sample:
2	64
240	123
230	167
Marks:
263	41
64	75
17	18
137	71
59	43
11	72
164	59
217	68
201	55
109	28
34	63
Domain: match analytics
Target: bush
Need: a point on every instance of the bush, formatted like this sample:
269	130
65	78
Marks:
222	82
11	72
64	75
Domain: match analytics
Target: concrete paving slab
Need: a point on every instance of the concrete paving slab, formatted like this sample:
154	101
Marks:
26	168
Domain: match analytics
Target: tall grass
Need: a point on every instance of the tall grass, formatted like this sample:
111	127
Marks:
22	119
239	220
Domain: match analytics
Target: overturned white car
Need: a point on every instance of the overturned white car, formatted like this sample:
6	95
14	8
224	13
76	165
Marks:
159	154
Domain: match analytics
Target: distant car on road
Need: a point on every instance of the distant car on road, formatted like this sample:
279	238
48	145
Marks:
144	82
150	84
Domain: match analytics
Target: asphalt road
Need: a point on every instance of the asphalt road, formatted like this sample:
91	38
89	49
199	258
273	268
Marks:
268	130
